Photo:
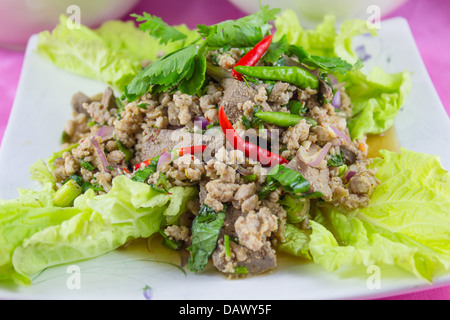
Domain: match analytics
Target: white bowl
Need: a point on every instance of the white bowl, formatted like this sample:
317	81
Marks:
19	19
311	12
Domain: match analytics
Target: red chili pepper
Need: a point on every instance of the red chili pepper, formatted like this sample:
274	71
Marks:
252	57
191	150
180	152
250	150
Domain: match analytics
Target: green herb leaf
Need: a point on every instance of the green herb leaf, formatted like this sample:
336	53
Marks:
267	188
292	181
296	107
142	105
127	152
143	174
86	165
205	231
167	72
336	160
275	50
244	32
159	29
195	82
328	64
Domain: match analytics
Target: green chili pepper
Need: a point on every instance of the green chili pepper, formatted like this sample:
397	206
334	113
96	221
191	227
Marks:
283	119
295	75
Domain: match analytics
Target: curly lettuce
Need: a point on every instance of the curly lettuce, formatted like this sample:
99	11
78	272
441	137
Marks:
36	234
406	224
112	53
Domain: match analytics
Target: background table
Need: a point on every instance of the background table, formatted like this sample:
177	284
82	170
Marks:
429	21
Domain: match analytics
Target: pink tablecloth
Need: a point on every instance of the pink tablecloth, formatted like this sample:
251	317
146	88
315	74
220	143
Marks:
428	20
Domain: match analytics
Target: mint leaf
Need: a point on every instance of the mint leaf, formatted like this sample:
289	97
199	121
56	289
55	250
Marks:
205	232
159	29
241	33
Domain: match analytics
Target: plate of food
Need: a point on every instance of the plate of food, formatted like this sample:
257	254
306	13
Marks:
233	161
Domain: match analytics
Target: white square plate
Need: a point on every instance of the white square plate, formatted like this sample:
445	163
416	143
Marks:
42	106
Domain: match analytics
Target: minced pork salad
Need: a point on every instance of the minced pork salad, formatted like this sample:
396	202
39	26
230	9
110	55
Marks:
231	142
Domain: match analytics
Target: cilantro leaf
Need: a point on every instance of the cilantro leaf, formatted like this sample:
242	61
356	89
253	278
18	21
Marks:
241	33
275	50
158	28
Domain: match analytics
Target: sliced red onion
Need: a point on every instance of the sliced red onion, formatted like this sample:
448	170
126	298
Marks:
174	127
164	158
148	293
101	155
336	102
333	79
336	142
105	132
341	135
322	154
202	122
349	174
362	53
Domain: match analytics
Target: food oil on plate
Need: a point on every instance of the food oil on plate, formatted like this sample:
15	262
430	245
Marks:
387	141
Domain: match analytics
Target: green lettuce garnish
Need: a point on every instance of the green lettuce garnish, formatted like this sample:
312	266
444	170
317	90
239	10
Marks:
376	98
112	53
405	225
36	234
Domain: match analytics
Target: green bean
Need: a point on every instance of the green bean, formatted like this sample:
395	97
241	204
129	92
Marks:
294	75
283	119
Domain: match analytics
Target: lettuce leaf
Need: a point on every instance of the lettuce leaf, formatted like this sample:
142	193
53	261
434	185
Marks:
406	224
31	212
111	53
296	242
35	234
324	40
376	98
318	41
